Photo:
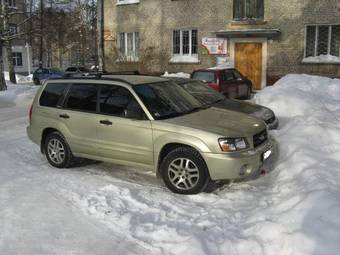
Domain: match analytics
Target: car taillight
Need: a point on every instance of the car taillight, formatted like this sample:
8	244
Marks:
214	86
30	114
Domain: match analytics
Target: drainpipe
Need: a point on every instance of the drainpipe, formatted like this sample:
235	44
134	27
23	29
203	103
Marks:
100	23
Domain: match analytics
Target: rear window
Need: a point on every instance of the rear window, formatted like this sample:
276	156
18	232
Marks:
204	76
82	97
52	94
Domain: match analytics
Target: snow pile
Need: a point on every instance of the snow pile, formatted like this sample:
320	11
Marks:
100	208
180	75
322	59
20	78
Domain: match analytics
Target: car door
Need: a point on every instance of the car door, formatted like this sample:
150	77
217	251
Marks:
124	133
79	119
229	87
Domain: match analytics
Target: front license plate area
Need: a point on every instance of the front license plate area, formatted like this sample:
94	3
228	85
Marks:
266	155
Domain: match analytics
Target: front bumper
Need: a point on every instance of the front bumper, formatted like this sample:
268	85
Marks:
241	165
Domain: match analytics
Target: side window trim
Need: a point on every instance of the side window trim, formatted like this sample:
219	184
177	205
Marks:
67	95
117	116
62	99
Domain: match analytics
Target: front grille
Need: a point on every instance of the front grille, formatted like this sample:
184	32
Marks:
260	138
270	121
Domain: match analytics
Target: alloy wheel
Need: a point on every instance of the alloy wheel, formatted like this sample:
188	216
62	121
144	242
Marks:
183	173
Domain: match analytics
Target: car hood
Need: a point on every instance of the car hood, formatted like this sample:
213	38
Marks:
256	110
220	121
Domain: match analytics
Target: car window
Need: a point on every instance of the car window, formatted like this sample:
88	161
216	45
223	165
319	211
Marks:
83	69
45	71
237	74
71	69
39	71
118	101
52	94
228	75
82	97
202	92
166	99
204	76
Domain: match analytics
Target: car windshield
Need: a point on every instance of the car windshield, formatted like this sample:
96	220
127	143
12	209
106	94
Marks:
204	76
167	99
202	92
83	69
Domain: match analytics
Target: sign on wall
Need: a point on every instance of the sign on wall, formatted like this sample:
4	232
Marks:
215	46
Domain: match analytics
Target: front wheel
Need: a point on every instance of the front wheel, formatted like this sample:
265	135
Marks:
184	171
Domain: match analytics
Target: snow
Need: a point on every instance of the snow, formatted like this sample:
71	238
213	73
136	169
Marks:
20	78
322	59
222	66
180	75
98	208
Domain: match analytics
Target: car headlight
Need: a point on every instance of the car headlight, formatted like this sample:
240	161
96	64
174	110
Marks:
232	144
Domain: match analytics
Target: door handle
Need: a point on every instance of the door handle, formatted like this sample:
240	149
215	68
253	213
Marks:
105	122
64	116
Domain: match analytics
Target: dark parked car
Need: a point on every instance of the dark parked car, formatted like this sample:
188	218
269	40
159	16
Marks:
210	97
70	71
227	81
42	74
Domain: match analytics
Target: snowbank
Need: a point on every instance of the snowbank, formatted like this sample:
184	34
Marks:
100	208
20	78
180	75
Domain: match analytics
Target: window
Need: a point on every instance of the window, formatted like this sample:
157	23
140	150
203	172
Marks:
128	44
248	9
118	101
52	94
322	40
237	75
12	29
82	97
204	76
184	46
121	2
11	3
228	75
17	58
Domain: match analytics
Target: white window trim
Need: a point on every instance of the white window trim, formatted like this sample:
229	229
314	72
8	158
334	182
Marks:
125	57
184	58
320	58
125	2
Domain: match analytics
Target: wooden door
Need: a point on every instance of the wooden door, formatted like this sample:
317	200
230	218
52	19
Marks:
248	60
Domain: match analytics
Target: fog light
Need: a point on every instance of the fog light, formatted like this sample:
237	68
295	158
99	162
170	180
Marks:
245	169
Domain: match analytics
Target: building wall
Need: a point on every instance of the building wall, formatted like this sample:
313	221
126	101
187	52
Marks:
155	20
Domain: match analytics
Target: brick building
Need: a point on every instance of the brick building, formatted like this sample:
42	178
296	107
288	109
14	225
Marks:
264	39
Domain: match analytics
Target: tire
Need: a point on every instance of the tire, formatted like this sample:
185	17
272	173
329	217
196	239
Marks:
36	81
57	151
184	171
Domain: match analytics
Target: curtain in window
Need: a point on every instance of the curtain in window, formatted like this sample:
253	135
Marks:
129	42
335	41
194	42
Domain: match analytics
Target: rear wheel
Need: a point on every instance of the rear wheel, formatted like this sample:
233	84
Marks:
184	171
57	151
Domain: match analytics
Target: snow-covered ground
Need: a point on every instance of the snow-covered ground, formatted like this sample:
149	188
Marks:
105	209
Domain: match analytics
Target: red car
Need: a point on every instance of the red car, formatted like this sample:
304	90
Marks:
227	81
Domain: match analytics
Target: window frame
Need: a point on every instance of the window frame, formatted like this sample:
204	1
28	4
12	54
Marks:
123	56
316	39
16	58
259	15
189	57
117	116
67	95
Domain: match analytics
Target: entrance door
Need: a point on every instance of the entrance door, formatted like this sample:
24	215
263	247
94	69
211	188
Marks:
248	60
